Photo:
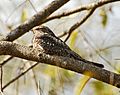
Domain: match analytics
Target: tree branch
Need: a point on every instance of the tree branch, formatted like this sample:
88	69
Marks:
43	16
28	53
77	24
81	8
92	7
16	78
35	20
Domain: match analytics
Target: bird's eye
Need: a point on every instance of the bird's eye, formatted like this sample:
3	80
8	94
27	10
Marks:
37	29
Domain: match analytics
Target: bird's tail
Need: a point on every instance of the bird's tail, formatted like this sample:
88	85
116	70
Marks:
96	64
78	57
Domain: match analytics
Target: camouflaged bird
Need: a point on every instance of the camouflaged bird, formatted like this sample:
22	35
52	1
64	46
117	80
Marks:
46	41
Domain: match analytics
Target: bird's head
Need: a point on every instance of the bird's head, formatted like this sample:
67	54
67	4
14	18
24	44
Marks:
42	30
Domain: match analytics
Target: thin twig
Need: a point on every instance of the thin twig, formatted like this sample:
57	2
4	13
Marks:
93	7
76	25
80	9
37	84
32	6
14	10
32	26
84	7
67	13
97	51
16	78
35	20
6	60
1	93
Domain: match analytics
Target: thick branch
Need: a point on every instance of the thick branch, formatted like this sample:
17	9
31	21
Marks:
37	19
16	50
41	16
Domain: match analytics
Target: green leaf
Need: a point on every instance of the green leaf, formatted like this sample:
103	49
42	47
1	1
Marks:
79	88
104	17
102	89
23	15
82	83
73	38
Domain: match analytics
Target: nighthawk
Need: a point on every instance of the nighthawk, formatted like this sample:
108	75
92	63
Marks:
46	41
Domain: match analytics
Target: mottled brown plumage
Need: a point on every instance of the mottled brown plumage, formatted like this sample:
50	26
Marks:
46	41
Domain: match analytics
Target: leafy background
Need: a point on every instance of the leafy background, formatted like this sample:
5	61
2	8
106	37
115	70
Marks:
97	40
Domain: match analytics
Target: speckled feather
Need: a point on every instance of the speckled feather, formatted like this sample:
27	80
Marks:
46	41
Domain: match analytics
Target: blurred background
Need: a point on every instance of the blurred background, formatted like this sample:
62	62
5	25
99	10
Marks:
98	40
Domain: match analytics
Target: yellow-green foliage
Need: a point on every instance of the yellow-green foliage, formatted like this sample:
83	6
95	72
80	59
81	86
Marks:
73	39
104	17
24	15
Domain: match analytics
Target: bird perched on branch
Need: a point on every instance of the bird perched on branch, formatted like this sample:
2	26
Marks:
46	41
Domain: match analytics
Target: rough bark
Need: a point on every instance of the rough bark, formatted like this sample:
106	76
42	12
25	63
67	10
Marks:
35	20
28	53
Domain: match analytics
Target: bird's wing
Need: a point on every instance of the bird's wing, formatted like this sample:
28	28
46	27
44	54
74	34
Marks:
52	45
55	46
